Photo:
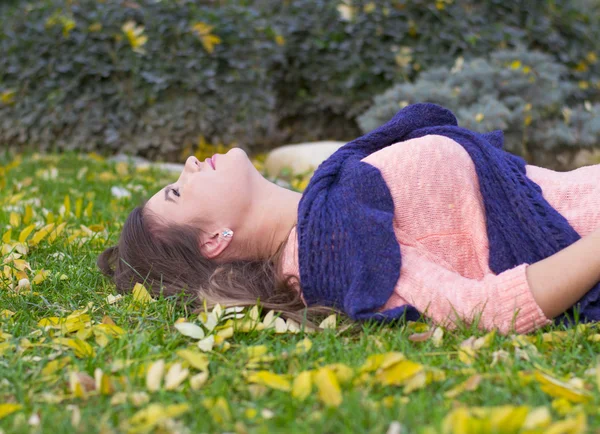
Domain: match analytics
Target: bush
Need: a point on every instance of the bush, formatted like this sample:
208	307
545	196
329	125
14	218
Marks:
524	93
253	72
85	79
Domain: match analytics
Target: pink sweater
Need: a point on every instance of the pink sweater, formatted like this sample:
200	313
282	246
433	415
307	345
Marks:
439	222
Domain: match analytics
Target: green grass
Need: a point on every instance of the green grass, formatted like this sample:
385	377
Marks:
26	349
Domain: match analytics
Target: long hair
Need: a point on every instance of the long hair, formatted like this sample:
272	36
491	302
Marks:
166	258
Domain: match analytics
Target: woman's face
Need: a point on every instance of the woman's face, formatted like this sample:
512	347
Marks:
214	198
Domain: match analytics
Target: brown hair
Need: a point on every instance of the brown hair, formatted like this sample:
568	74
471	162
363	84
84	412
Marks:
167	259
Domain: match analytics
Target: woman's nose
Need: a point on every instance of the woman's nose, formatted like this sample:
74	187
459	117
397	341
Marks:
192	164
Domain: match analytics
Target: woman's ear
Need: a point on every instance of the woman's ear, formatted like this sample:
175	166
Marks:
216	243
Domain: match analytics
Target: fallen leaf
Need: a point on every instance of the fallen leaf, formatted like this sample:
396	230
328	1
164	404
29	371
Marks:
269	379
330	322
175	376
6	409
154	375
302	385
469	385
196	359
560	389
190	330
141	295
420	337
198	380
207	343
328	387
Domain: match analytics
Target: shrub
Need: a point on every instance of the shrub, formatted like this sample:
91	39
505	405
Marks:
250	72
139	79
524	93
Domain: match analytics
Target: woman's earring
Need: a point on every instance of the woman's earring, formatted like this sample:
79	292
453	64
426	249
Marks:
227	233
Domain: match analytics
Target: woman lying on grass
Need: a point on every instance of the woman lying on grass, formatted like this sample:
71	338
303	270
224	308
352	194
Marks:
419	216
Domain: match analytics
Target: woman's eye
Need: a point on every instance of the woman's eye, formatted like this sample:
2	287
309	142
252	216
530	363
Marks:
175	192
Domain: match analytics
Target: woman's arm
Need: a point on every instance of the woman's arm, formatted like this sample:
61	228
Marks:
559	281
500	301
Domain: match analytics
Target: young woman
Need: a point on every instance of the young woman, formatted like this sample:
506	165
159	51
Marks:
417	217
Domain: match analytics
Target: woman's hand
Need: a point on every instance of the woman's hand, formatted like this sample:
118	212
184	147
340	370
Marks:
559	281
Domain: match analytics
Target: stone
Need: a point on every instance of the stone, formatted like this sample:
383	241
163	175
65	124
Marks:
301	157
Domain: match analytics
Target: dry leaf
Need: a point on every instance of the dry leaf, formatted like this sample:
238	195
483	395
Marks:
141	295
207	344
420	337
302	385
154	375
196	359
269	379
330	322
175	376
198	380
190	330
328	387
7	408
560	389
469	385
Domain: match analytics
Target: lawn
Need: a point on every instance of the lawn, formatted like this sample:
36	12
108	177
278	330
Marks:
76	357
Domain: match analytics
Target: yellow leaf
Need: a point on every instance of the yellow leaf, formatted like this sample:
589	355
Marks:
302	347
469	385
5	314
218	409
103	383
175	376
198	380
41	234
28	214
82	349
88	209
25	233
190	330
557	388
538	418
40	276
343	373
256	351
6	409
329	322
67	205
328	387
154	375
574	425
398	373
110	329
141	295
196	359
149	418
302	385
78	207
56	232
269	379
14	219
7	236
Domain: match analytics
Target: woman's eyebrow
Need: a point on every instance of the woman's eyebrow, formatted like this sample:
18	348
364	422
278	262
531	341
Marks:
167	189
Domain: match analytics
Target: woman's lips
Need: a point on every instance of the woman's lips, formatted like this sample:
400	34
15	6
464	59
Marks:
211	162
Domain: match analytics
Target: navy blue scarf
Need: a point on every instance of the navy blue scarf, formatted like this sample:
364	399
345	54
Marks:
349	257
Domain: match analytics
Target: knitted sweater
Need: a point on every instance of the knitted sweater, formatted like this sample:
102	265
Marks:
440	224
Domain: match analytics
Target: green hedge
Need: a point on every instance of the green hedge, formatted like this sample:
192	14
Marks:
276	71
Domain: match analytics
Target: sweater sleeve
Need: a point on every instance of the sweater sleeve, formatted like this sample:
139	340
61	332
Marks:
503	301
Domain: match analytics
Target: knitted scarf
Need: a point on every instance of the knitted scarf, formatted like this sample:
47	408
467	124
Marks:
349	257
